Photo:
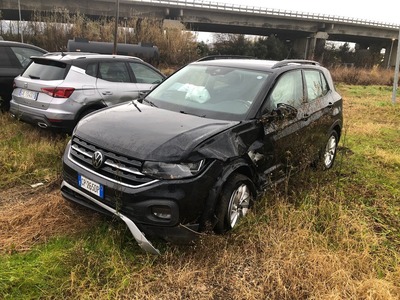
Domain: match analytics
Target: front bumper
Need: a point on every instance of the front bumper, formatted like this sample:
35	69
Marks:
137	234
185	199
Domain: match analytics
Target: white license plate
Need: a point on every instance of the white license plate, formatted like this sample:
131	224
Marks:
27	94
91	186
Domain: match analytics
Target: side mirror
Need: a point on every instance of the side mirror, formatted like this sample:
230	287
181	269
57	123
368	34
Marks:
286	111
282	112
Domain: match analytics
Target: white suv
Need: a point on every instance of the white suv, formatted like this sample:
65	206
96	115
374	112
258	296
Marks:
58	89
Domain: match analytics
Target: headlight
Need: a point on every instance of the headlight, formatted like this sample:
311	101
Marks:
163	170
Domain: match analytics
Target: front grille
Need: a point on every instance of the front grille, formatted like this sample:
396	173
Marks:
116	167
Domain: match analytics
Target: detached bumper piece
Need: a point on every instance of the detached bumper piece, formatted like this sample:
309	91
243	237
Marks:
139	236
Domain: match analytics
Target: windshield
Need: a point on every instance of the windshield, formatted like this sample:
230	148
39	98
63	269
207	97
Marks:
209	91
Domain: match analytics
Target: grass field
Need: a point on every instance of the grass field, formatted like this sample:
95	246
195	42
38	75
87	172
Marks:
323	235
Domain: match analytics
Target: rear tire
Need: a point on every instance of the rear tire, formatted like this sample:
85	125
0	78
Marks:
235	201
329	152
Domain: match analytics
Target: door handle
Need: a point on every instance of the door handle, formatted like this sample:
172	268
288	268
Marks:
305	117
107	93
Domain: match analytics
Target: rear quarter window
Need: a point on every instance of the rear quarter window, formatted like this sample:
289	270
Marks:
46	70
316	84
91	69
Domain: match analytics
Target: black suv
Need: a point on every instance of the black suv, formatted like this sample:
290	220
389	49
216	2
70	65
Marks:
14	57
203	145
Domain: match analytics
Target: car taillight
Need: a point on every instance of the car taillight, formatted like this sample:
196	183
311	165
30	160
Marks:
58	92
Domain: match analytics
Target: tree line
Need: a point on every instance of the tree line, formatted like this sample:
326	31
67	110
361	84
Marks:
332	54
52	30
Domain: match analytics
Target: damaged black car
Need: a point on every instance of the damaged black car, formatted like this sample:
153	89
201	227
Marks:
200	148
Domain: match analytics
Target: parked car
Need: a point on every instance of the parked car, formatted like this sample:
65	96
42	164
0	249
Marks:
14	57
58	89
199	149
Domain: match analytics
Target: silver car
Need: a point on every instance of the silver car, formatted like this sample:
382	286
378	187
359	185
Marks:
58	89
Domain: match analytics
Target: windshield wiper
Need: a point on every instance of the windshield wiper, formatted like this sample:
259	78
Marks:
186	113
33	77
151	103
137	107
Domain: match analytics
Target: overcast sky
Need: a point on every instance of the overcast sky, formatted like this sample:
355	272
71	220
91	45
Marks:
387	12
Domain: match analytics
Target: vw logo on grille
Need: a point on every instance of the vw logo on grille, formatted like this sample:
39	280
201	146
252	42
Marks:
97	159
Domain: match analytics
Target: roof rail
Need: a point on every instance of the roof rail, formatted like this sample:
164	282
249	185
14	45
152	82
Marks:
287	62
213	57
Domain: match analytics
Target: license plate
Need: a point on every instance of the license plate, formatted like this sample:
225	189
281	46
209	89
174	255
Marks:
91	186
27	94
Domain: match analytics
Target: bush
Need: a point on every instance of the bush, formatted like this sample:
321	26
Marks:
52	31
358	76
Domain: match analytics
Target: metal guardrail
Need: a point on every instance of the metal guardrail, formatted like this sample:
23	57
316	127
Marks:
269	11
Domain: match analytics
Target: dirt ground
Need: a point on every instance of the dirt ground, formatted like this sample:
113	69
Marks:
29	216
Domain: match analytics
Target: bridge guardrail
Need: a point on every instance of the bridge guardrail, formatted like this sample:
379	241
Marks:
270	11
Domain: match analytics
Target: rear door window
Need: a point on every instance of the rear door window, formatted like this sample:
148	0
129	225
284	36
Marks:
44	69
114	71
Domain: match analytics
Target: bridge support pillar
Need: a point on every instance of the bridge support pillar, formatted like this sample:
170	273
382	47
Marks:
312	46
389	60
302	47
370	54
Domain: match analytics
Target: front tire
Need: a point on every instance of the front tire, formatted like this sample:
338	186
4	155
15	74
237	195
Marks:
235	201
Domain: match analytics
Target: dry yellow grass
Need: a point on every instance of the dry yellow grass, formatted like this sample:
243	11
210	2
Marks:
333	235
30	217
284	260
358	76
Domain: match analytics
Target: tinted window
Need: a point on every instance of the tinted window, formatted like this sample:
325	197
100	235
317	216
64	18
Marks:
46	70
23	54
144	74
91	69
316	84
288	90
5	59
114	71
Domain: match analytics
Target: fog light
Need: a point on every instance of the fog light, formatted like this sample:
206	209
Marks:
162	212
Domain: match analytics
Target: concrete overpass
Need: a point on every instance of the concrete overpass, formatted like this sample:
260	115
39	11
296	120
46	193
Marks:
303	30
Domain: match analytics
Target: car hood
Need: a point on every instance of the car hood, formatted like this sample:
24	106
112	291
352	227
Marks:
148	133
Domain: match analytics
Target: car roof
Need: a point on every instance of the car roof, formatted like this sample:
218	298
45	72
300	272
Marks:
12	43
255	64
64	56
82	59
